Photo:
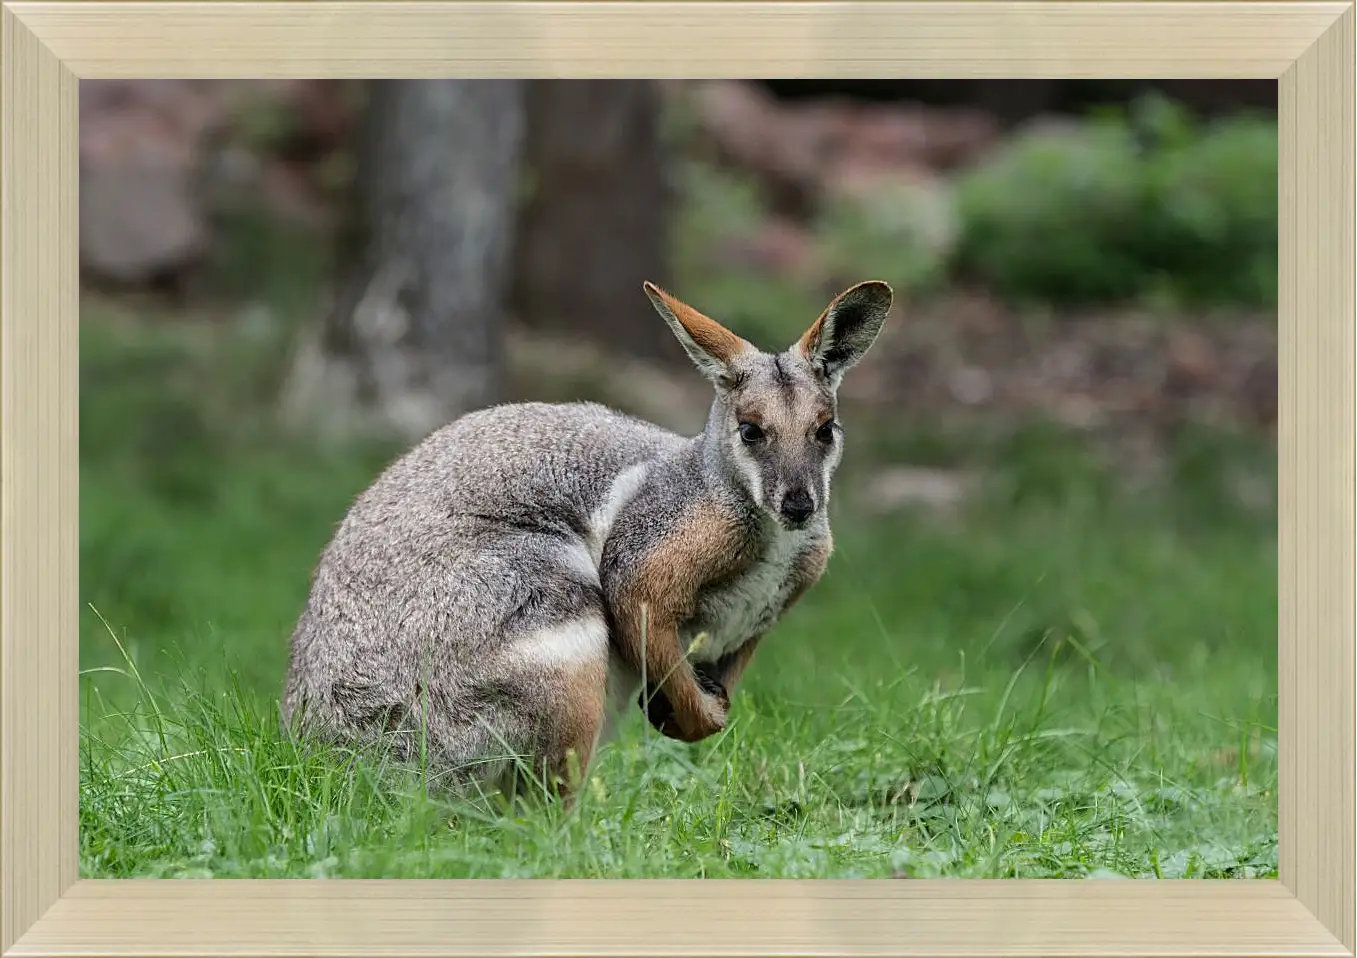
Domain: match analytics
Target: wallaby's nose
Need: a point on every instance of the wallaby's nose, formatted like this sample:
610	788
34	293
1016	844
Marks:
797	505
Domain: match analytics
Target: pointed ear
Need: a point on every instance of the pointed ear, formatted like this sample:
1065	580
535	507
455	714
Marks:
708	344
846	329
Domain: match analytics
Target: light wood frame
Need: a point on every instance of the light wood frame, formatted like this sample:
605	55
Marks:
47	911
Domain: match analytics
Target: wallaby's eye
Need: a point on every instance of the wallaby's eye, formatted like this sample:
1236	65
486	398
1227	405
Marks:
825	433
750	433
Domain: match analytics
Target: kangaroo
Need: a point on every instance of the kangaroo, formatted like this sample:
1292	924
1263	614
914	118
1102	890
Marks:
501	592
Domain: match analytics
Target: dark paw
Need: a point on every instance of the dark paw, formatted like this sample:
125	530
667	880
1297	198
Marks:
660	713
709	683
657	710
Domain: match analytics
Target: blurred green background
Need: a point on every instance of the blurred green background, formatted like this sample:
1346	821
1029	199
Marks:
1046	643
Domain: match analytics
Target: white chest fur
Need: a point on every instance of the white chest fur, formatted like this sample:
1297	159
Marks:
735	612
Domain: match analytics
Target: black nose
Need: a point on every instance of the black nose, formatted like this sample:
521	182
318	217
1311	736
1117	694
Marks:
797	506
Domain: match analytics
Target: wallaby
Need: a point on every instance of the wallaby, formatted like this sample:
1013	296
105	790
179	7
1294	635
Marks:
502	592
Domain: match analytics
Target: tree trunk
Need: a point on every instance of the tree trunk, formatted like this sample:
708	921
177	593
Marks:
413	337
594	226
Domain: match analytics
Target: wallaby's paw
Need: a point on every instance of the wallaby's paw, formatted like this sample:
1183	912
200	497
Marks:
709	683
708	722
660	712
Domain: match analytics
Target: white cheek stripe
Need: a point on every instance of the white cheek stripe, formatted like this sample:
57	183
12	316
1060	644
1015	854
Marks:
750	470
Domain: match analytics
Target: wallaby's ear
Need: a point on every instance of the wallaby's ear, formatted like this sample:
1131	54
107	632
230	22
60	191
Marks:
846	329
709	344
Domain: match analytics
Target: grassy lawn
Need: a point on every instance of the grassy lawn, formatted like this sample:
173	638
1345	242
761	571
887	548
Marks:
1065	679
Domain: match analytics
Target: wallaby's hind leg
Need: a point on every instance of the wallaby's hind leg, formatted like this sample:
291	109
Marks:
562	694
489	665
579	726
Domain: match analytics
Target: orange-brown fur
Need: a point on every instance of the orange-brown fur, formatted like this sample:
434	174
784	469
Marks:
580	719
706	546
811	337
705	331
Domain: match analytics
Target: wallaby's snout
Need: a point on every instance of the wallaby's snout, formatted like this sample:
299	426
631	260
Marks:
796	507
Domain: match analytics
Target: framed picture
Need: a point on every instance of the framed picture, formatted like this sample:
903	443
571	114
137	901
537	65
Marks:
60	898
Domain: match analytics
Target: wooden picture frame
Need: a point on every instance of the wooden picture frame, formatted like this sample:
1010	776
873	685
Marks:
47	47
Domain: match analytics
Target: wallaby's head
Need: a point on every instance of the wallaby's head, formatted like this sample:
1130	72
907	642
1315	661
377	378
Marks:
774	421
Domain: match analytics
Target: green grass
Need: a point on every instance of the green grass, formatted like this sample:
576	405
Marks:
1066	679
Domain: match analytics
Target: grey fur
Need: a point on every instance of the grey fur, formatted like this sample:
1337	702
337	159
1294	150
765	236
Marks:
495	531
460	547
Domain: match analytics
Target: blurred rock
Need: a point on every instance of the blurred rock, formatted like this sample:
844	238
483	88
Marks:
957	138
159	157
738	117
889	136
913	135
190	107
799	149
750	130
141	212
811	137
1191	362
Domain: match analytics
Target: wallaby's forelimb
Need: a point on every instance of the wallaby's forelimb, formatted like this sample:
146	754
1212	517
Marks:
651	599
667	674
719	678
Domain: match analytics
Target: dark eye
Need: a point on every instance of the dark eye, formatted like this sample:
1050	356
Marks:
826	432
750	433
